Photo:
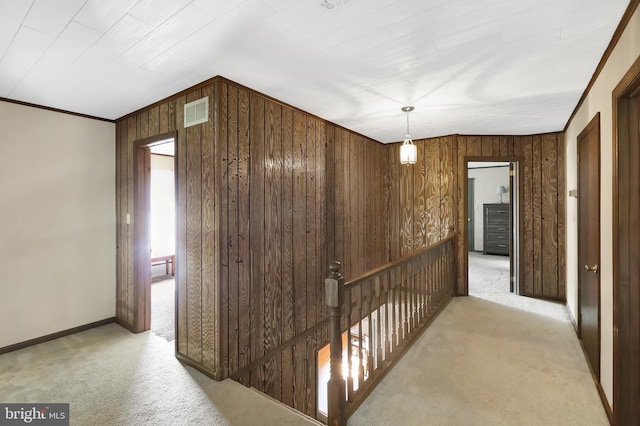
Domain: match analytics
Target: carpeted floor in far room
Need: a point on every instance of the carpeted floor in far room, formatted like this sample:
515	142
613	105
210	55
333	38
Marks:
163	306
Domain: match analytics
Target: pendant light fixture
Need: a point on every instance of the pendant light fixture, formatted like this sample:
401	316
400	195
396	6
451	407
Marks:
408	151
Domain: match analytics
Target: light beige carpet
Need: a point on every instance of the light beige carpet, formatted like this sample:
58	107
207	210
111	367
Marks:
112	377
483	362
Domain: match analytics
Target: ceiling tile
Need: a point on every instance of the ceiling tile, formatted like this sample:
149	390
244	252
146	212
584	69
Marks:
52	16
26	48
102	14
12	14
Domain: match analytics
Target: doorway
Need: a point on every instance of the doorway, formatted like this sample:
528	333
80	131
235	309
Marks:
589	243
492	218
155	235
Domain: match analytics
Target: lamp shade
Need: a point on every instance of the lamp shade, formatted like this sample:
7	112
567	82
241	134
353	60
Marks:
501	190
408	153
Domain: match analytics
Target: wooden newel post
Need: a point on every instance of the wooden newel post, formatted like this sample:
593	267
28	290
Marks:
336	393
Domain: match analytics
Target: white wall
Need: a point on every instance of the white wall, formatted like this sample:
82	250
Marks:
57	218
486	182
599	99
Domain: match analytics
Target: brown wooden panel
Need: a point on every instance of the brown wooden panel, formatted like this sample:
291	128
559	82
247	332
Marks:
222	126
210	336
486	144
393	195
194	238
432	188
288	295
163	117
562	210
181	231
232	227
174	121
421	211
349	182
549	213
447	185
257	188
461	274
406	202
273	242
536	197
321	263
311	222
526	260
288	292
474	146
143	125
154	121
243	229
340	196
300	220
131	138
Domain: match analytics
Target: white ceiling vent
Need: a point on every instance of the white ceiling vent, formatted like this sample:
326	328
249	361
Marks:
196	112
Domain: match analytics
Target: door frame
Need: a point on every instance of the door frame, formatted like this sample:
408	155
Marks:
141	253
625	388
594	123
516	212
471	194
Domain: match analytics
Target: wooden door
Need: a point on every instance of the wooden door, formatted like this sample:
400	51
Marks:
589	242
470	215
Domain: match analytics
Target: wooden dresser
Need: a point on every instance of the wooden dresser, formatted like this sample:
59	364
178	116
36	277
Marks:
497	228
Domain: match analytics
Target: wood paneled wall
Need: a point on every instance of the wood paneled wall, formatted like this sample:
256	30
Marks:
196	246
426	199
419	198
267	195
297	193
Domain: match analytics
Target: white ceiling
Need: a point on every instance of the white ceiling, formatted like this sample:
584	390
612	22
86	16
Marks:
468	66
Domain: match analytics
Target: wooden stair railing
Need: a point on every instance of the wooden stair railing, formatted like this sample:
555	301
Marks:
382	312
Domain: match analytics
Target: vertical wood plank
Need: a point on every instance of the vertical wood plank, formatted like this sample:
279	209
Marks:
447	185
421	210
549	216
321	219
432	158
154	121
536	197
406	197
257	200
300	222
163	125
288	295
273	242
528	234
311	222
129	293
181	231
243	241
232	233
209	279
194	238
222	101
461	249
561	212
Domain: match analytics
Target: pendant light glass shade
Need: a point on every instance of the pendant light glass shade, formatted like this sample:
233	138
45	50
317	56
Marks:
408	151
